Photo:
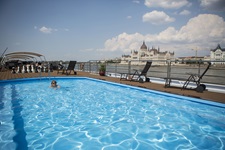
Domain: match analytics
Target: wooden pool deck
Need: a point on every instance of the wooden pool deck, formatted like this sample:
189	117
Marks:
206	95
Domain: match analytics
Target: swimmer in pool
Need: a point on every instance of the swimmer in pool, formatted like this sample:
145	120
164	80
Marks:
54	84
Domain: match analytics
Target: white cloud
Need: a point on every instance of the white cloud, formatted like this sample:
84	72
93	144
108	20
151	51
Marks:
213	4
157	17
204	31
124	41
172	4
129	17
136	1
167	35
66	29
206	3
204	27
50	30
185	12
47	30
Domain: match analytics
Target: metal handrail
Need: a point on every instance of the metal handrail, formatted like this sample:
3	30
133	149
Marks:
168	69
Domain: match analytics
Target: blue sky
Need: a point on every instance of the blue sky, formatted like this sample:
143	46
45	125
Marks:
85	30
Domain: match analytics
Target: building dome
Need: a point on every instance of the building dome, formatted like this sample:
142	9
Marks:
143	46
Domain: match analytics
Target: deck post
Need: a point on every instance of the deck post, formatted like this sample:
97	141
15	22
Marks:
129	67
168	79
168	69
199	68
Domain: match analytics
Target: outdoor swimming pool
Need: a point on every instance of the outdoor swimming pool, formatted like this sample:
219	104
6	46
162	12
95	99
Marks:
91	114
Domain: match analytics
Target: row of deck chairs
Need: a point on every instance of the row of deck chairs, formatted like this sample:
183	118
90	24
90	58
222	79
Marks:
67	70
139	74
31	68
195	78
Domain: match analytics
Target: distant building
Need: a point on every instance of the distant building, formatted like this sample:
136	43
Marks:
144	54
217	54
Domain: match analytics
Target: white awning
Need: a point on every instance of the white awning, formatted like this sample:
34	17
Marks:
24	56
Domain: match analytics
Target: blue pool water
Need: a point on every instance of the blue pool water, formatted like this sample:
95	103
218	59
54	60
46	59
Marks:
91	114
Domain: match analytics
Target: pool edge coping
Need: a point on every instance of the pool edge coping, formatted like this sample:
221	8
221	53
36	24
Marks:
193	99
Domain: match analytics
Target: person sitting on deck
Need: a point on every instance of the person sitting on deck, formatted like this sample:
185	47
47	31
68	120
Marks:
54	84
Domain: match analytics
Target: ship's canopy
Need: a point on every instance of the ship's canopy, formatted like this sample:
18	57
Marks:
24	56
